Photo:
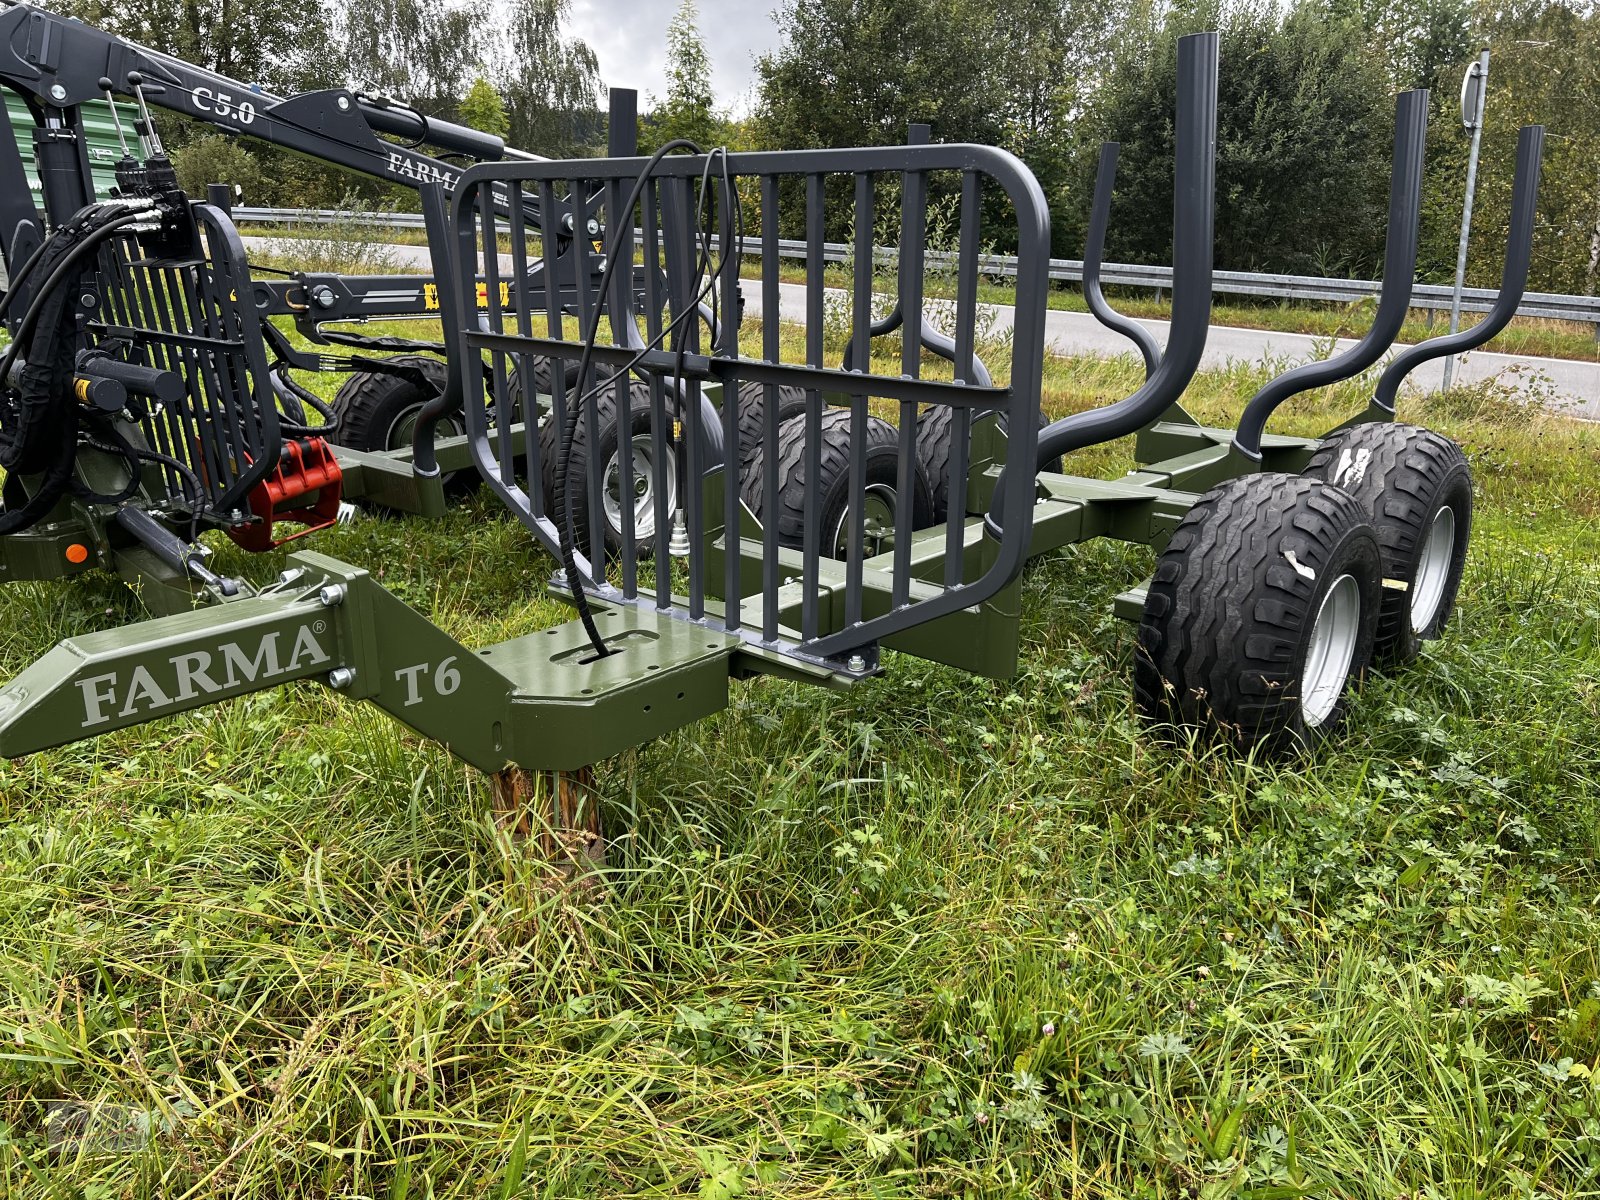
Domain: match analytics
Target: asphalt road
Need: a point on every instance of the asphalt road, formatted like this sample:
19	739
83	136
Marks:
1568	385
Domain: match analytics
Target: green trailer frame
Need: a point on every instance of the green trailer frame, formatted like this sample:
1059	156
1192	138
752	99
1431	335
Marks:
724	595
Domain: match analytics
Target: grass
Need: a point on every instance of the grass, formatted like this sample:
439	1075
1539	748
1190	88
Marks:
935	936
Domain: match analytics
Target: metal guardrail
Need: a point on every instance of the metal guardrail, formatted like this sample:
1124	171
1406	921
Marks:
1426	296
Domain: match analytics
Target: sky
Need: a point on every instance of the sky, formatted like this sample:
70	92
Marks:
630	38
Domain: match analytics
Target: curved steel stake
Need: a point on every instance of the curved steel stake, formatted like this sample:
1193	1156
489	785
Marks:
1399	270
1093	256
1513	280
1194	208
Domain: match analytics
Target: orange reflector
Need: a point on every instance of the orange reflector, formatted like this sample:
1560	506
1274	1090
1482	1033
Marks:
77	554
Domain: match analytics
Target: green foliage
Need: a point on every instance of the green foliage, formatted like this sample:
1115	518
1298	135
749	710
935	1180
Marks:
855	72
551	83
266	176
483	109
1304	136
287	48
420	52
1011	73
1544	68
213	158
688	109
1424	41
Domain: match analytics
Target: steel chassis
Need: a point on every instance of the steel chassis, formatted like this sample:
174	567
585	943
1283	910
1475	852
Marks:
714	595
57	65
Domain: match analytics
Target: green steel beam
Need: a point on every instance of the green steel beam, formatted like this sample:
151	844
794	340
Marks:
542	701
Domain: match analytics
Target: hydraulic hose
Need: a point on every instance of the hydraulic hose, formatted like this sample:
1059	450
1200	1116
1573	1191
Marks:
39	421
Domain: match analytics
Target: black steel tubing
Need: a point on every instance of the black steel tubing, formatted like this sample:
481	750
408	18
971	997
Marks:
1094	255
1513	278
1399	271
1194	207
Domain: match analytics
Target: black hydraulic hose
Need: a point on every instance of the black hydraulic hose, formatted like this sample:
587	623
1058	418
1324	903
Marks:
44	436
120	446
56	277
1105	178
21	276
565	532
1194	207
1394	302
42	433
1513	278
297	427
691	312
69	232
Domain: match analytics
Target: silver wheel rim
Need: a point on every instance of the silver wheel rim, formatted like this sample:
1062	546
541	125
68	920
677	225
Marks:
403	429
1332	650
1433	569
644	487
877	526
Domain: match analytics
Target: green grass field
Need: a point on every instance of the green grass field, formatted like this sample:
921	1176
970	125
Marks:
937	936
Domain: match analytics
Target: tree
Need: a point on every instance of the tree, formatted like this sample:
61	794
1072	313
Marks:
217	158
687	110
420	52
855	72
1013	73
1418	39
1304	139
551	83
284	48
483	109
1545	69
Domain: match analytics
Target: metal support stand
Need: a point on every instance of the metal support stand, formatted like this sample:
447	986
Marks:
1474	94
559	809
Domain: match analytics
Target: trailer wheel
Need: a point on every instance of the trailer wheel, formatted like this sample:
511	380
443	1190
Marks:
935	427
1262	611
640	442
378	411
833	484
753	412
543	371
1417	489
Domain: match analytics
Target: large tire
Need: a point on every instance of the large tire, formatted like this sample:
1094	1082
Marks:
1416	487
935	427
1262	612
753	413
833	483
646	479
543	372
377	411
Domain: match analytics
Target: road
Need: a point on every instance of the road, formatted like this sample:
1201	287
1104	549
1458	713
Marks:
1566	384
1569	385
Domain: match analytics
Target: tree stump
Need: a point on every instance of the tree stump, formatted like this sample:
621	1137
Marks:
559	810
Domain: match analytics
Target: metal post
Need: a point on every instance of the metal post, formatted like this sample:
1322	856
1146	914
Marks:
1474	95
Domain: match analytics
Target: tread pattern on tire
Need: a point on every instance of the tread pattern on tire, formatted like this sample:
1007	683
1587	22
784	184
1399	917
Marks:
753	414
368	403
1228	608
935	427
1401	474
607	418
882	456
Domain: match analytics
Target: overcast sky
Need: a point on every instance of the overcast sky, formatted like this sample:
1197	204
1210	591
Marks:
630	38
